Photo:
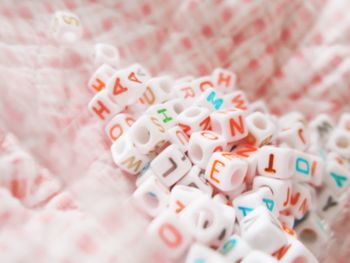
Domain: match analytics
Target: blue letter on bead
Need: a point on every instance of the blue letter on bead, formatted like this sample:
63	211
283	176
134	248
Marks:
304	170
339	179
217	103
245	210
269	203
229	244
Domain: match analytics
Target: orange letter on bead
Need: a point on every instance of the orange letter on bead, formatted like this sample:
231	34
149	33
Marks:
213	169
114	136
118	88
234	125
270	169
224	79
98	85
100	111
169	234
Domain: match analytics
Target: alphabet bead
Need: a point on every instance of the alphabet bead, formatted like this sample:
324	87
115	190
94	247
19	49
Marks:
339	142
195	178
276	162
260	224
257	257
202	145
100	77
224	80
235	248
66	27
250	154
226	171
210	99
300	201
230	124
208	221
200	85
169	235
320	128
328	203
118	125
236	100
295	136
159	90
286	219
151	197
294	251
163	113
291	118
337	176
184	90
199	253
177	105
281	189
178	137
194	119
171	165
148	134
260	129
308	168
102	107
106	54
248	201
181	196
126	156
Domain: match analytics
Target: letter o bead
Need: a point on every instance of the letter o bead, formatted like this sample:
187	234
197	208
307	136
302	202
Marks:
118	125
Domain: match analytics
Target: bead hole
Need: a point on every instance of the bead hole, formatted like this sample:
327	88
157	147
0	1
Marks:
260	123
342	142
308	235
142	135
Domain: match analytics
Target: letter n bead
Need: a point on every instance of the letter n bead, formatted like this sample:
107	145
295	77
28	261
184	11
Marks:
169	235
171	165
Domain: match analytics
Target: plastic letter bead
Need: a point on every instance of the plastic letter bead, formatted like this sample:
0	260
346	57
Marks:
293	252
260	129
148	134
250	154
320	128
126	156
339	142
291	118
295	135
344	122
248	201
300	200
106	54
151	197
169	235
158	90
103	107
312	233
164	113
281	189
210	99
230	124
276	162
328	203
66	27
260	224
199	253
127	85
185	91
99	79
337	177
178	137
202	145
236	100
224	80
200	85
181	196
177	105
258	257
235	248
226	171
195	178
208	221
194	119
171	165
287	219
118	125
308	168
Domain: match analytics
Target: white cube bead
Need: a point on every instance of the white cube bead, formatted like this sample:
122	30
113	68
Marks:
281	189
195	178
199	253
224	80
337	177
287	220
202	145
106	54
230	124
250	200
250	154
181	196
185	91
260	129
169	235
200	85
294	252
235	248
159	90
226	171
171	165
177	105
344	122
328	203
66	27
308	168
178	137
126	156
256	256
194	119
210	99
100	77
312	233
151	197
163	113
320	128
300	201
127	85
291	118
260	224
276	162
236	99
339	142
148	134
208	221
118	125
295	136
103	107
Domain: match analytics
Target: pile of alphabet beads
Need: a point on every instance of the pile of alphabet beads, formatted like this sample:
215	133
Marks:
222	179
